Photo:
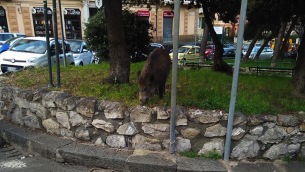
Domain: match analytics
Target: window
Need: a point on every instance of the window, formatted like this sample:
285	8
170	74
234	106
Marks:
201	22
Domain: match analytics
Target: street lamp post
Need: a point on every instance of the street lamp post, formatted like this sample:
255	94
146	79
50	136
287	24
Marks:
62	33
46	19
56	42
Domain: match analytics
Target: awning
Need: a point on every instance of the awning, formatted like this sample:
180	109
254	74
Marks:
143	13
168	14
72	11
39	10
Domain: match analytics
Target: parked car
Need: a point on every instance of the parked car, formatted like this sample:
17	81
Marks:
209	50
229	45
7	44
32	51
187	52
245	47
5	36
266	53
293	54
143	54
153	46
96	59
82	56
228	52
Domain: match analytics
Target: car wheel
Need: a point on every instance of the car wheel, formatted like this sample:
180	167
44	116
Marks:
3	69
95	60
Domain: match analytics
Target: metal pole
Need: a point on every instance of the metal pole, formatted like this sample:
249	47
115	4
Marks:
46	25
174	76
241	28
196	25
157	23
56	43
62	33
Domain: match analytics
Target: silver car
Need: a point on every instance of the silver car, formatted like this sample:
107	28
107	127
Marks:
32	51
82	56
266	53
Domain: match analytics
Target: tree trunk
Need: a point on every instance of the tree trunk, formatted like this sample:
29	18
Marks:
204	43
263	46
278	44
119	59
219	64
258	33
299	75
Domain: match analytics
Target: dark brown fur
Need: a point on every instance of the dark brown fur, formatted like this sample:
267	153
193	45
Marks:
154	74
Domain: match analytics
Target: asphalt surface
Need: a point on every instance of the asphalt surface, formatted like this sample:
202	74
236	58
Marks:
16	160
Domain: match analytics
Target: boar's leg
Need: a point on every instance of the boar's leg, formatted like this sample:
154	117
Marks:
161	90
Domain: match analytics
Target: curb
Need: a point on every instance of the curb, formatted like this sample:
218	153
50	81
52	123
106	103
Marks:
65	150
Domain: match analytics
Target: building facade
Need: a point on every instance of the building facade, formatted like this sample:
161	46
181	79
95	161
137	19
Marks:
27	16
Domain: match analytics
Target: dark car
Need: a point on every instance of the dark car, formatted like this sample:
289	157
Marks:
228	52
142	55
229	45
293	54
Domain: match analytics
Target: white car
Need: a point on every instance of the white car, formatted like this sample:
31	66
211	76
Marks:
246	46
32	51
266	53
82	56
187	52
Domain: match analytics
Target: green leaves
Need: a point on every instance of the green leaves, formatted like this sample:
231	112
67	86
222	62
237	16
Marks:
137	33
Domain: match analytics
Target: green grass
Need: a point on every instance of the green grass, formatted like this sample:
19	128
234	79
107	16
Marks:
190	154
203	88
210	155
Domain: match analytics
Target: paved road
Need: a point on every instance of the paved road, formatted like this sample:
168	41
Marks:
16	160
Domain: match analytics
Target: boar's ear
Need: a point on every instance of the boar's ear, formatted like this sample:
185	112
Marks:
139	72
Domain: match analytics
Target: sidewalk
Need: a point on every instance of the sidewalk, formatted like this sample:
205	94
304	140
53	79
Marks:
65	150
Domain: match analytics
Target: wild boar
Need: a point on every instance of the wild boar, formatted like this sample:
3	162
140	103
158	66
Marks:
152	78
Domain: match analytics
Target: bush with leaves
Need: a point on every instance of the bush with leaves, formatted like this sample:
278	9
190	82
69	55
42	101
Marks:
138	33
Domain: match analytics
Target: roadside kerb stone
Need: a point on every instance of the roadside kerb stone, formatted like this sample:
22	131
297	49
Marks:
47	146
94	156
5	126
16	136
150	163
194	164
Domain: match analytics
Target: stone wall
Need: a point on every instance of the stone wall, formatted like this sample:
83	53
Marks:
115	125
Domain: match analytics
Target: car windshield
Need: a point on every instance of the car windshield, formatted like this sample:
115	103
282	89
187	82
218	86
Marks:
210	47
30	46
75	46
4	37
246	46
255	49
183	49
226	49
9	41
